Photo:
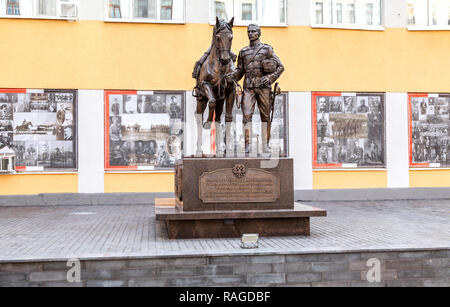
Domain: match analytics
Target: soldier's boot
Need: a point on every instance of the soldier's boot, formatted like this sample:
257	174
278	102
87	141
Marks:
265	140
248	132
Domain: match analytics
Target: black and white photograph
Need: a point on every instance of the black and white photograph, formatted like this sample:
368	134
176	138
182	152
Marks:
279	126
350	130
6	139
6	125
62	155
115	105
430	129
158	104
8	97
43	129
130	104
173	103
145	130
6	111
23	103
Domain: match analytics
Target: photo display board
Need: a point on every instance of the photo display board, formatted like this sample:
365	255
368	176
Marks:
279	127
348	130
429	128
143	130
40	126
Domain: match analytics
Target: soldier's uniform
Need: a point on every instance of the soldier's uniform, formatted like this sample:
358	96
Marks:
250	64
255	62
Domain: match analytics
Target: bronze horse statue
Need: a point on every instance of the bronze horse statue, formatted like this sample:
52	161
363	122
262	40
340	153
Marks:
212	88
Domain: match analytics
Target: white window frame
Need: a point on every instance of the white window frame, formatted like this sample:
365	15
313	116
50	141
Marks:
143	20
35	12
245	23
355	26
428	27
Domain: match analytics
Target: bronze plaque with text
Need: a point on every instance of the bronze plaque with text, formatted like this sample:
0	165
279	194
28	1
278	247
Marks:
230	186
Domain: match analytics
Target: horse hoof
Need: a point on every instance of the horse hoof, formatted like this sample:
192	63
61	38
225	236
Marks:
207	125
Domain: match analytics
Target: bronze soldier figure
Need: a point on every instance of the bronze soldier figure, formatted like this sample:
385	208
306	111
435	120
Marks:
261	67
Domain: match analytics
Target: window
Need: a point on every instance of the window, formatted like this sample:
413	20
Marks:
145	10
52	9
144	130
428	13
263	12
12	7
346	13
40	126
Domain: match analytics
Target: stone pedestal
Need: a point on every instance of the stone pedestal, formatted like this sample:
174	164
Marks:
228	197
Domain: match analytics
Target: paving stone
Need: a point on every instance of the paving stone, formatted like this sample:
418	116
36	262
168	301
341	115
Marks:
441	254
6	278
176	271
20	267
228	260
214	270
147	263
105	265
291	267
330	267
404	264
267	279
415	274
186	261
48	276
342	276
437	263
303	277
252	268
414	255
55	266
267	259
441	272
188	282
227	280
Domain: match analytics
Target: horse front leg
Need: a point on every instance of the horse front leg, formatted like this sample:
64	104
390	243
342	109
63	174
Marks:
201	106
219	137
229	104
209	92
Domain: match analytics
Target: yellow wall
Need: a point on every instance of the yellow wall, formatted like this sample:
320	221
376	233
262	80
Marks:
38	183
349	179
429	178
139	183
99	55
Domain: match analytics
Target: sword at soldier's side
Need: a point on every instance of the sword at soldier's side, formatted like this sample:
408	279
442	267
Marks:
276	91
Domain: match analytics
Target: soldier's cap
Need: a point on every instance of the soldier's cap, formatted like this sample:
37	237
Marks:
254	26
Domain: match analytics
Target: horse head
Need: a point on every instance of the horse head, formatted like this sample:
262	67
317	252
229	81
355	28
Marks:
222	39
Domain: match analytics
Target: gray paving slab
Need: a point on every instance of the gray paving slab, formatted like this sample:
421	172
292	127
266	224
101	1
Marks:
128	231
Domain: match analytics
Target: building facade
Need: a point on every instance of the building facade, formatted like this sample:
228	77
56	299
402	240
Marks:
94	94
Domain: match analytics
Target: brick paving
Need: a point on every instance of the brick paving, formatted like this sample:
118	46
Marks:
128	231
